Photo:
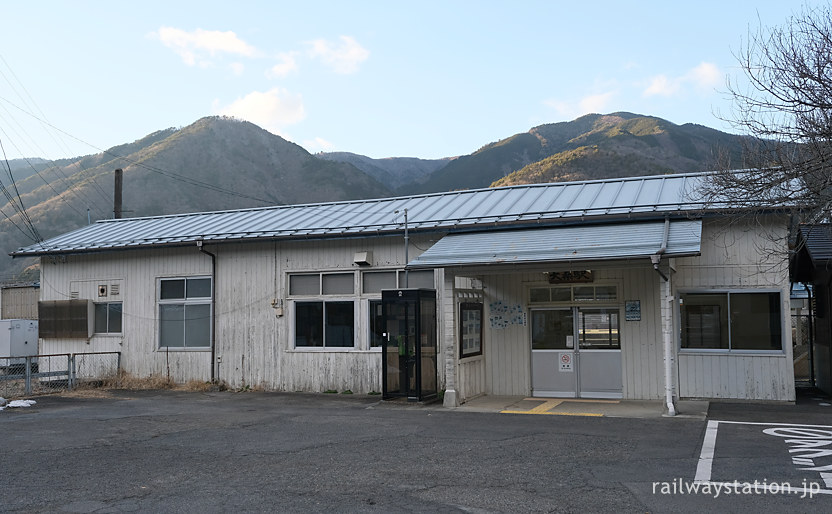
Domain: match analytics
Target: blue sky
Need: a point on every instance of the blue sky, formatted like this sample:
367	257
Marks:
422	79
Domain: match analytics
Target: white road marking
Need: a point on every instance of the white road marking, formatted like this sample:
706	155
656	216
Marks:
706	456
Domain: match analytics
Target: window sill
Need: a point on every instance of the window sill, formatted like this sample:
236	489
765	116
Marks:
745	353
318	349
472	358
169	349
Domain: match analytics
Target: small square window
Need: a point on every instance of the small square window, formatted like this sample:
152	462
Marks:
198	288
108	318
375	281
561	294
305	284
539	294
338	283
172	289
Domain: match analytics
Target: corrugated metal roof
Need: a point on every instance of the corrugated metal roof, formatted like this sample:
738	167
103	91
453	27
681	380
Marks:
452	211
818	241
571	243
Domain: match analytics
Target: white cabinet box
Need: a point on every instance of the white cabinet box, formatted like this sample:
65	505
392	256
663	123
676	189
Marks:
18	338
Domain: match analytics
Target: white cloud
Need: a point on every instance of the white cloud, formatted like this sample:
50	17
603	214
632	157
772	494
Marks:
662	86
237	68
287	63
194	47
597	103
343	58
272	110
705	77
318	145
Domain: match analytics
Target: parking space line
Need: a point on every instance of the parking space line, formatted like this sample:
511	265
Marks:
704	468
706	456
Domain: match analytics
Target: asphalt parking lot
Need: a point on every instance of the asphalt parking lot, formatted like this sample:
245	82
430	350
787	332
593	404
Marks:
171	451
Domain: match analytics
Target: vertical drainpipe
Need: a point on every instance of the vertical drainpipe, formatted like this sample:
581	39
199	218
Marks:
199	242
667	321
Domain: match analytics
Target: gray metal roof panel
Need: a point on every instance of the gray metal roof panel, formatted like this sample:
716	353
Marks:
570	243
458	210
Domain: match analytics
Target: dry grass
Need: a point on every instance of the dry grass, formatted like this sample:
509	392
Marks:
125	380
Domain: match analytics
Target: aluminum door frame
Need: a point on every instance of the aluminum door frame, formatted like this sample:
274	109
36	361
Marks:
606	382
547	379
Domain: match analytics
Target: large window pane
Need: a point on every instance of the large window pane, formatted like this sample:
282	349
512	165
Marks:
305	284
339	324
309	323
598	329
198	288
338	283
114	318
197	325
705	321
171	321
172	289
755	321
552	330
100	318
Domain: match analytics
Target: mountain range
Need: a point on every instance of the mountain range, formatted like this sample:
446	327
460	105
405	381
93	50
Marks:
220	163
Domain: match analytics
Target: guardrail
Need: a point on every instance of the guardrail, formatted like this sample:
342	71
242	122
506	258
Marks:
51	372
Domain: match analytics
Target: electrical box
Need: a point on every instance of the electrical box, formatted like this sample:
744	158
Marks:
18	338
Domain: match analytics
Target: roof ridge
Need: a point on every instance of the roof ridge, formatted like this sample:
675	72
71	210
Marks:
409	197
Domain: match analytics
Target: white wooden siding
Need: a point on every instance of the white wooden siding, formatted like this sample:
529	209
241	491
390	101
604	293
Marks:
253	342
738	256
136	273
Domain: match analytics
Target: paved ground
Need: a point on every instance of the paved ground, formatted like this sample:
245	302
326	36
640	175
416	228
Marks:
253	452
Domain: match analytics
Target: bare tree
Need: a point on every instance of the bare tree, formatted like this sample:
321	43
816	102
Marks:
785	107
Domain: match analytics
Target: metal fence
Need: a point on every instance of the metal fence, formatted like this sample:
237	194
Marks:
50	373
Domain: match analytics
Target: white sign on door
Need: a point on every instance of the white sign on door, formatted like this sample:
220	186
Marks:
565	360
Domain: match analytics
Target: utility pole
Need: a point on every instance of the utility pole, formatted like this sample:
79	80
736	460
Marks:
117	194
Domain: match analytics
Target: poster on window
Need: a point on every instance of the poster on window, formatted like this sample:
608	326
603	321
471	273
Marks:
470	329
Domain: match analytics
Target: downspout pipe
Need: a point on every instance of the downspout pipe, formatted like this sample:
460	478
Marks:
199	245
667	329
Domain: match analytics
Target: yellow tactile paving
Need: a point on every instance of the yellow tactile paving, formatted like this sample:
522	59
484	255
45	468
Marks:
547	405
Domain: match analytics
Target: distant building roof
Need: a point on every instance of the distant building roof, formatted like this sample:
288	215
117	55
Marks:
522	206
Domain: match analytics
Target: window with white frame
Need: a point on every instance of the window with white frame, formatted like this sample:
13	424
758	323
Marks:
329	320
374	282
325	305
185	312
573	294
108	318
731	321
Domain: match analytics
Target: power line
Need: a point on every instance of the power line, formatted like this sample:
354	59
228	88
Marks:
17	205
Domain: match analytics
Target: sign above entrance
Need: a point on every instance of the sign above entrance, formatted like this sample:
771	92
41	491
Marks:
571	277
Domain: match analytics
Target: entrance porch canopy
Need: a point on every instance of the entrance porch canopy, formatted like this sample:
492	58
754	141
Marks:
587	242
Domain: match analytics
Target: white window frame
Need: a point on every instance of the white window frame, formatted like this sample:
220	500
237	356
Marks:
108	332
184	301
728	351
